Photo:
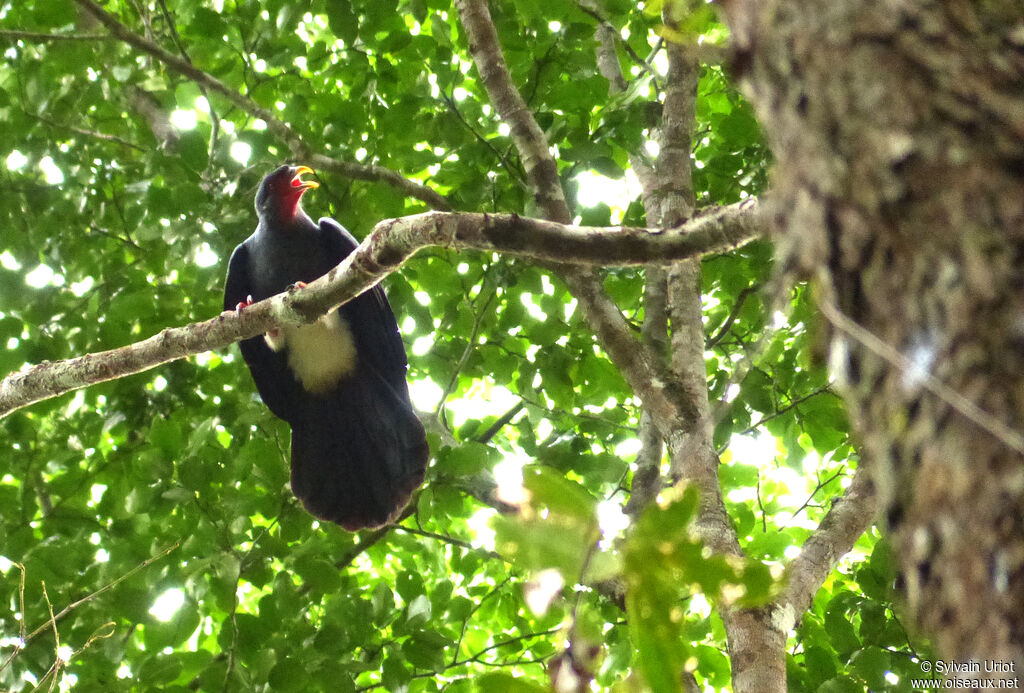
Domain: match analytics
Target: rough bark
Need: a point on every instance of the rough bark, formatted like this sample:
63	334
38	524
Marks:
630	355
391	243
898	129
756	640
845	521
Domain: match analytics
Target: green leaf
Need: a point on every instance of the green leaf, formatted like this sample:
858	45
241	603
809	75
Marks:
208	23
871	664
505	683
550	490
289	675
193	149
419	611
342	20
426	650
160	669
841	632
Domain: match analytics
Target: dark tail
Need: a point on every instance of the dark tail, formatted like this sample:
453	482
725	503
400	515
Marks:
358	453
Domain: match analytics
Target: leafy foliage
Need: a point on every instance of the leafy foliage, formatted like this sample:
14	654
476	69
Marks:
125	188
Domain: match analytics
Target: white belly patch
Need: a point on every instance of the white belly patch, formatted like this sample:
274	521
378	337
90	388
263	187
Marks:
319	354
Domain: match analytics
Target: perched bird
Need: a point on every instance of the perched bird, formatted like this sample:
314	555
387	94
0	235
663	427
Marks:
358	449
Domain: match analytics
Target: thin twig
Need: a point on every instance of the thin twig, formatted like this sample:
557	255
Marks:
476	607
502	421
214	119
461	543
779	412
278	127
821	485
731	318
470	347
760	505
1010	437
87	133
476	657
367	540
21	609
516	174
110	585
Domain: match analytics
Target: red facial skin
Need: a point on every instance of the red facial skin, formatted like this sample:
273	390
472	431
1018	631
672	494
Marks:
292	192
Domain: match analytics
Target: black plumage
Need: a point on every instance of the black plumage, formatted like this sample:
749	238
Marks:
358	449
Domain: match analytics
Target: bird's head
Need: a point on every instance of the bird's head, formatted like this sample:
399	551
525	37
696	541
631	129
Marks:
280	193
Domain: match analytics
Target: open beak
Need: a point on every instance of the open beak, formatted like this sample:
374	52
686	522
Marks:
303	185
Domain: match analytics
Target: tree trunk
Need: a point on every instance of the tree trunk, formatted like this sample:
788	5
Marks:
899	190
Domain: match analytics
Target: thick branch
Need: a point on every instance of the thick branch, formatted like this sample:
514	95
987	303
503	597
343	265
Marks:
634	359
529	139
40	36
392	242
278	127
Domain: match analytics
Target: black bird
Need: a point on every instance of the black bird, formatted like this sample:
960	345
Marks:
358	449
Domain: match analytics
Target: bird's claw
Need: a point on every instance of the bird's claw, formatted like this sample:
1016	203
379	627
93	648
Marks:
296	286
241	306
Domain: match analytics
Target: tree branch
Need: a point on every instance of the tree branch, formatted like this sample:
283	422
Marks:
647	480
541	169
723	330
849	517
86	133
40	36
633	358
390	244
606	32
278	127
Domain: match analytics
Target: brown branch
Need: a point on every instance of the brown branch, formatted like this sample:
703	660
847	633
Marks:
40	36
669	202
501	422
392	242
647	477
850	516
110	585
608	65
731	318
647	480
541	169
638	366
280	129
605	30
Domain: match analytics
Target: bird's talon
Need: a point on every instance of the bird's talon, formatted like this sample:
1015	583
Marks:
240	305
296	286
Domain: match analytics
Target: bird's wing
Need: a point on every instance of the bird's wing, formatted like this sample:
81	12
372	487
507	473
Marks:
269	369
378	341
